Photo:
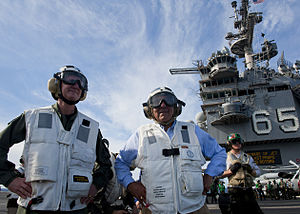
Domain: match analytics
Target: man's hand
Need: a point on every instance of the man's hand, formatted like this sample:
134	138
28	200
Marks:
20	187
138	190
235	167
207	181
92	192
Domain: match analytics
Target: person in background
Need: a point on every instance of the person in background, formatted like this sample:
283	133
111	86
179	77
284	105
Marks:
60	150
214	191
270	190
241	170
170	154
223	200
276	190
282	189
115	199
259	188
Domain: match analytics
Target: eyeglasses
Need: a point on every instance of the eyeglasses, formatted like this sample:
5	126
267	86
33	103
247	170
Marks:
156	100
71	78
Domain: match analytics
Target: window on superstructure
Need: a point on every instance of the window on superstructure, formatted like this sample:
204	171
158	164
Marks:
242	92
215	95
223	58
220	81
281	87
226	80
222	93
251	91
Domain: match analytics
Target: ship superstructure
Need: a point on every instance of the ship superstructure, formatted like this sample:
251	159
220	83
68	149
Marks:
260	103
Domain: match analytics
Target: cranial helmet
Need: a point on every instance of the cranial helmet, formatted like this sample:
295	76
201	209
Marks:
64	74
234	138
162	94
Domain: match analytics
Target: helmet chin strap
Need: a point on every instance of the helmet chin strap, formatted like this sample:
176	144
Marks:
68	101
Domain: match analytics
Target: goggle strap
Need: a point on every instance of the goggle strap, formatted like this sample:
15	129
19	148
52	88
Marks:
181	102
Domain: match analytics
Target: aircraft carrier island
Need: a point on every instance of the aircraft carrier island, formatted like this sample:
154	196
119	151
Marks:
261	103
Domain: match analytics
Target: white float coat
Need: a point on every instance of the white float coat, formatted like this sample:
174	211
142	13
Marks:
58	163
174	183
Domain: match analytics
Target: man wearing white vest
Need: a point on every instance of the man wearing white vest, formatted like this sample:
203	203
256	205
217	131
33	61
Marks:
170	154
60	150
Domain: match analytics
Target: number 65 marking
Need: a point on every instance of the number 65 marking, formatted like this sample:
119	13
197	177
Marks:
282	115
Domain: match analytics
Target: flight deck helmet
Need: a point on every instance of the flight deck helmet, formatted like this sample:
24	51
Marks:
54	84
157	96
234	138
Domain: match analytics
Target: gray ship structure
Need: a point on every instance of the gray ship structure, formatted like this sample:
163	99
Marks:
260	103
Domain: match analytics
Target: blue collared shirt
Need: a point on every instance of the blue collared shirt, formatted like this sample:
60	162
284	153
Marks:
209	146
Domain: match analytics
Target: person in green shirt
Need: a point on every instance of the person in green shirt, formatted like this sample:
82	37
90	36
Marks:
221	187
61	148
270	190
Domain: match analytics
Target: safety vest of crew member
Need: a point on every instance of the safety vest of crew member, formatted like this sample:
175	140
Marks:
58	163
242	178
171	170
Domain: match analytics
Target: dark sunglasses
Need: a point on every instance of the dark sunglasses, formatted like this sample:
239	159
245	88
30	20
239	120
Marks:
73	82
235	142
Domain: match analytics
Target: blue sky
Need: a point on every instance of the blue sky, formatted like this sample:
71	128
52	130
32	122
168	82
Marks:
125	48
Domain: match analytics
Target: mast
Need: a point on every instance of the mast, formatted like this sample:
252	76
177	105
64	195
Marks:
242	45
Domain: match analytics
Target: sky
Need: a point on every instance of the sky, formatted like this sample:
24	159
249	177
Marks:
125	49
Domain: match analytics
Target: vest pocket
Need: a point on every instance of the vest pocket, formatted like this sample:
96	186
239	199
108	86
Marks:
191	183
80	172
158	183
42	162
82	156
79	182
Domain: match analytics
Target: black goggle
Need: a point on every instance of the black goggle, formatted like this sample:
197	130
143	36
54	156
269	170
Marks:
236	141
156	100
71	78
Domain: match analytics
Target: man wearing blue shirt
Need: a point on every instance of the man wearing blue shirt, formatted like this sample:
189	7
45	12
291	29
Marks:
170	154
